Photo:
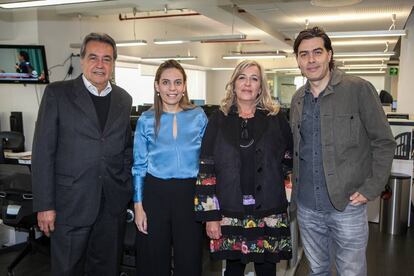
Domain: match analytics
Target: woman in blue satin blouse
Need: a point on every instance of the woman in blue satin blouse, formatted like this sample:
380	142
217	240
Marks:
166	151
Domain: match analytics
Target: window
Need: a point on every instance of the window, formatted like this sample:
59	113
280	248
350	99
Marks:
138	81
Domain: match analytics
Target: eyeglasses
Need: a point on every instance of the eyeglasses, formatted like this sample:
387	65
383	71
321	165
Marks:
244	132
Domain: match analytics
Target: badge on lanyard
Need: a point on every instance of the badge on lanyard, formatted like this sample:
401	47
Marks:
248	200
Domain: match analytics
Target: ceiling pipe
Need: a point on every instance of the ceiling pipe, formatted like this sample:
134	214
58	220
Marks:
157	16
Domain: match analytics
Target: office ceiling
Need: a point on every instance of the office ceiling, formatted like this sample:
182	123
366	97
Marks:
273	22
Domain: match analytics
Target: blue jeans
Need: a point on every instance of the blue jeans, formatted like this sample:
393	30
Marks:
334	235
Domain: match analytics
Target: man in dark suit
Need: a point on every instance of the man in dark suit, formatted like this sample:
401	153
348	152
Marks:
81	160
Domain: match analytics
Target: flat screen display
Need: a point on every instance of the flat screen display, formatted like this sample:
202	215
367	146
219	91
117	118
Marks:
23	64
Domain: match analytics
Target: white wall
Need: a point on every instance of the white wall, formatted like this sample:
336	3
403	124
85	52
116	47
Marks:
377	81
216	84
19	97
24	98
405	97
57	32
138	81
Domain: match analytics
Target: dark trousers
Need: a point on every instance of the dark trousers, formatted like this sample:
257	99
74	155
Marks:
172	229
236	268
91	250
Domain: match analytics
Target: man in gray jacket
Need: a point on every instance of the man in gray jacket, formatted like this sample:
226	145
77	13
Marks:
343	151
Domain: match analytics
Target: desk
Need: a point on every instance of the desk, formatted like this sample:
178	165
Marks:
23	158
399	165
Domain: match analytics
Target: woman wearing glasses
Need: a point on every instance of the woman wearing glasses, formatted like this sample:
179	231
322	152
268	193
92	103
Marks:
166	150
240	193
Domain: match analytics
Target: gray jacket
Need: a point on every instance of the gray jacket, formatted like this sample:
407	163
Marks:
357	143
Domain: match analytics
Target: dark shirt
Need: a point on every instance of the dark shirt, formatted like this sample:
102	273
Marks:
312	192
247	154
102	108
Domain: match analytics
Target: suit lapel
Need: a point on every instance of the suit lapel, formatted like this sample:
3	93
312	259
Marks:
115	108
83	100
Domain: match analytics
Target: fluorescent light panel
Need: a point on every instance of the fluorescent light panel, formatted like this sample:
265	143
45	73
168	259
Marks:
170	57
364	54
43	3
350	16
359	67
250	56
222	69
181	40
362	42
293	69
169	42
129	43
379	33
367	65
362	59
124	43
364	72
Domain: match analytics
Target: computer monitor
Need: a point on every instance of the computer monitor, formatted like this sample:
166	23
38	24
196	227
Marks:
2	159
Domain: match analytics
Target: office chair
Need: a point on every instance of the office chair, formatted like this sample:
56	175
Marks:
2	158
12	140
16	207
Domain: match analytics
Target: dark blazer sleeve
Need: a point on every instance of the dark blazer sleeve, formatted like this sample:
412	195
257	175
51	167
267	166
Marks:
287	136
206	204
128	146
43	152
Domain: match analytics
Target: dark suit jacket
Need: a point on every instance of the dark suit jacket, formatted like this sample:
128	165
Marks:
74	162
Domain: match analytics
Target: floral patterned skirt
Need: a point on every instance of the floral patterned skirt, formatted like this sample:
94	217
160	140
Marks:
252	239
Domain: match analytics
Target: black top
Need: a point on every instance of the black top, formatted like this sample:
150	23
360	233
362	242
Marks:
102	107
247	155
221	158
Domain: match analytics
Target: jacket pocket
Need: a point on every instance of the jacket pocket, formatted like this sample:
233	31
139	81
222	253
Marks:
347	130
64	180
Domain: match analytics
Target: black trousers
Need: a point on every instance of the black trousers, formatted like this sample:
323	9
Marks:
174	237
236	268
91	250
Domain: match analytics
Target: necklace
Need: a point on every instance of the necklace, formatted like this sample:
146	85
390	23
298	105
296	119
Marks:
246	115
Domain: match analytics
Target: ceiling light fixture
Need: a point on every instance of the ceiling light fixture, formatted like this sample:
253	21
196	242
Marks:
365	72
42	3
378	33
170	57
331	4
169	42
362	66
215	38
362	59
130	43
254	56
123	43
364	54
133	42
292	69
363	42
222	68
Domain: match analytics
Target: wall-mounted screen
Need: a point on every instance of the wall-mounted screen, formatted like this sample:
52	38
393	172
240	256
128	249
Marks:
23	64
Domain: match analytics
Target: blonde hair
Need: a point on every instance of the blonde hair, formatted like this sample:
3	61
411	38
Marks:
263	101
184	103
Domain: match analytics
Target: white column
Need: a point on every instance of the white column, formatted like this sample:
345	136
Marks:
405	97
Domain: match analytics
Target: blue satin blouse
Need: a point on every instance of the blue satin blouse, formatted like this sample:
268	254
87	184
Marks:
167	157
